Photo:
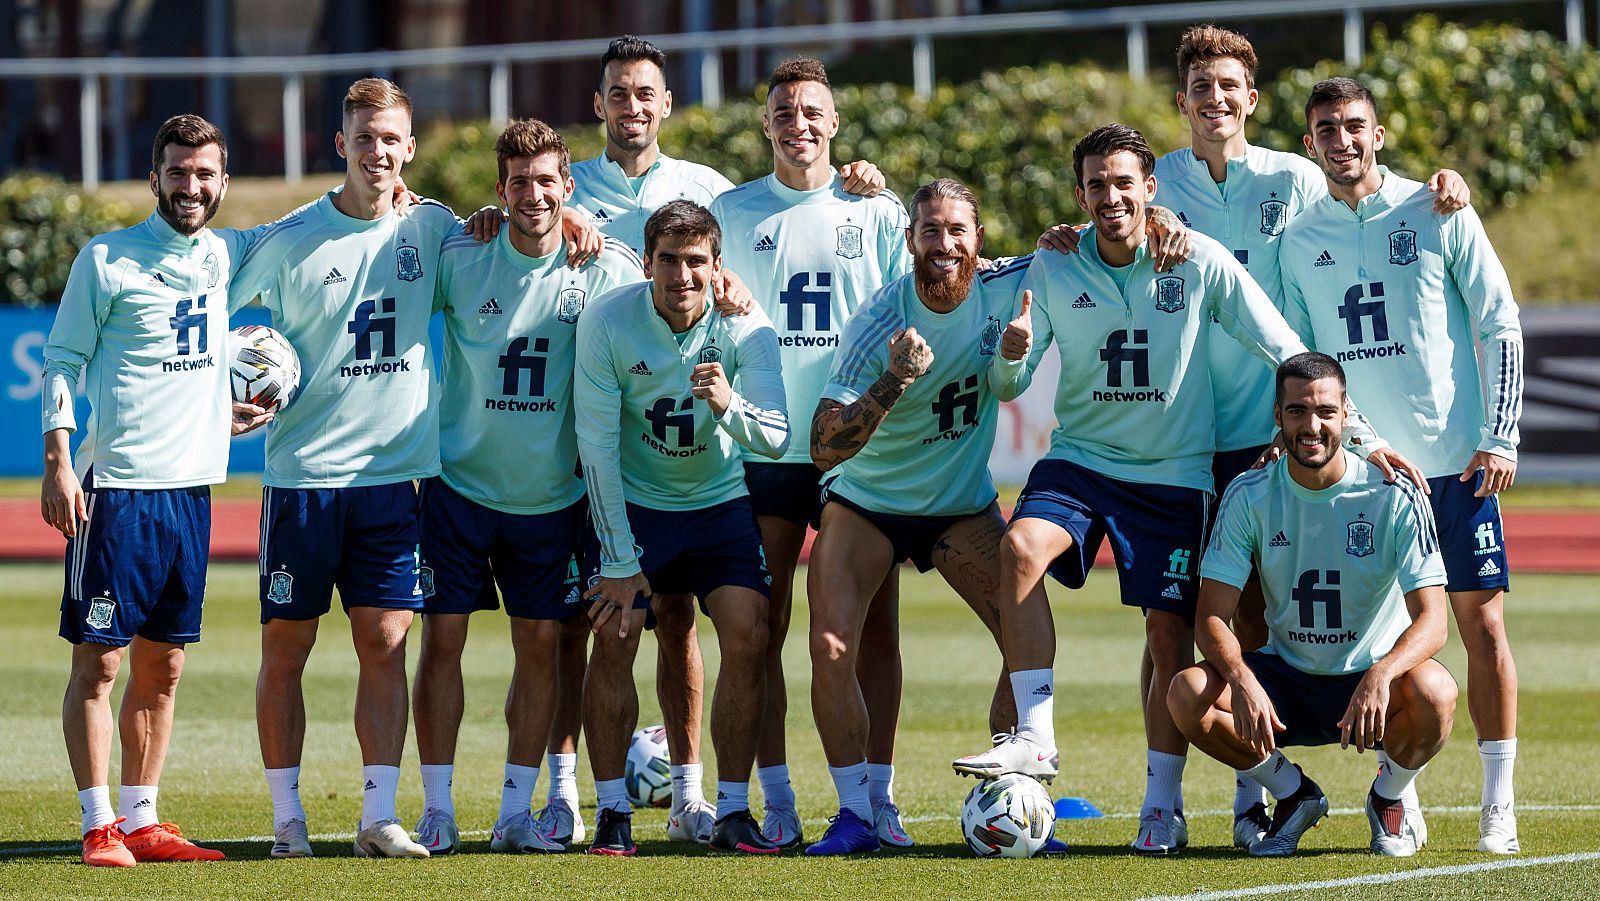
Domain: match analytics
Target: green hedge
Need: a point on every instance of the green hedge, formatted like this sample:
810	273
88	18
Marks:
43	224
1503	106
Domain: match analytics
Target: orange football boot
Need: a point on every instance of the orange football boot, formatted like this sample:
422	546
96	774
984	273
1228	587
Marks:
103	847
163	841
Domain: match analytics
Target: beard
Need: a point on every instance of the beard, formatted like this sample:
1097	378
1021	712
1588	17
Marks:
184	223
945	288
1330	449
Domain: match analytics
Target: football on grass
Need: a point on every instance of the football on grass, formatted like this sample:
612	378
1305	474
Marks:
1011	816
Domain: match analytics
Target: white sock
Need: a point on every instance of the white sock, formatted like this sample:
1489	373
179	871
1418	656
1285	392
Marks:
880	784
1393	780
686	783
516	793
1247	793
436	781
851	784
611	794
732	797
1499	759
137	805
1034	690
95	804
564	778
775	785
1163	775
284	786
1276	774
1408	797
379	785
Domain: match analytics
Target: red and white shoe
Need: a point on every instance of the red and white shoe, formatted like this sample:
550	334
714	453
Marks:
162	842
103	847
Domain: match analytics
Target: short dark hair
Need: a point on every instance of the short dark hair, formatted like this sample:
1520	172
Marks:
947	188
186	130
1109	139
682	219
1339	90
531	137
1309	366
1205	43
631	48
801	68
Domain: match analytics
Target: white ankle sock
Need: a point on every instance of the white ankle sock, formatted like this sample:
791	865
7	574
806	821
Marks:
1163	775
95	803
137	805
686	783
516	792
851	784
880	784
1277	775
284	786
1393	780
379	785
436	781
564	778
1247	793
775	786
1034	690
611	794
732	797
1499	759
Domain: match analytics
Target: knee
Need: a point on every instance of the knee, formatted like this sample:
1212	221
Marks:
1188	695
1431	687
674	619
747	639
94	674
829	647
1022	550
1169	641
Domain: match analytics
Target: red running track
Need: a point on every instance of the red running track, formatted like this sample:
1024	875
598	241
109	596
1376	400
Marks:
1551	541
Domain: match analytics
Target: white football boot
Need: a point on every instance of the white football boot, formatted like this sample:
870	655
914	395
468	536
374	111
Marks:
781	826
437	832
387	838
891	831
1012	753
1497	830
521	835
1155	836
560	823
692	822
291	839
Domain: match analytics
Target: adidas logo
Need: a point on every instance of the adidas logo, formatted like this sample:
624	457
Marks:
510	783
1325	260
1279	540
864	779
157	279
1042	691
334	277
640	368
1488	569
1184	219
371	785
144	803
600	216
1172	593
1082	302
490	308
765	244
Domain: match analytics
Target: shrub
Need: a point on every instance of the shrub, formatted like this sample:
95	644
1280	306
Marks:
43	224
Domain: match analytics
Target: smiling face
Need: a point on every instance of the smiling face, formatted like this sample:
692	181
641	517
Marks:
1217	100
1344	138
375	143
189	186
1114	191
682	269
944	240
1311	413
534	192
800	121
633	100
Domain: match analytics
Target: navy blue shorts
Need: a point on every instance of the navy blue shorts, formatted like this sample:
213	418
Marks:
138	566
1157	532
911	537
364	540
539	561
1472	539
1309	705
698	551
791	491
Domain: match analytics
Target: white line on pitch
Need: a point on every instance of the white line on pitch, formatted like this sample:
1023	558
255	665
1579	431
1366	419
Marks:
1382	878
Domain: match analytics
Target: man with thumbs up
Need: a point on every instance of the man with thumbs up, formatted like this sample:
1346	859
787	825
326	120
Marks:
921	350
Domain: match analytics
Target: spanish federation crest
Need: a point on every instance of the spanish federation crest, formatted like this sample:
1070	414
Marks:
1169	294
1274	215
1403	247
210	267
1360	543
711	354
425	580
408	263
570	304
100	610
849	245
990	342
280	587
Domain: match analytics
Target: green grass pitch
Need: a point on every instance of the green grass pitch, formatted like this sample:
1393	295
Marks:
213	785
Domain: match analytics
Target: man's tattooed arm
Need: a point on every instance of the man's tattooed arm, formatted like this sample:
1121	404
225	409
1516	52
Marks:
839	430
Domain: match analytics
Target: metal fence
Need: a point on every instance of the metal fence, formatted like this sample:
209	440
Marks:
705	48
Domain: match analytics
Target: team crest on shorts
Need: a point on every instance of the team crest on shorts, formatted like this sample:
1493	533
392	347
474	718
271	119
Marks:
990	342
1274	215
849	245
1403	247
211	270
570	304
100	610
408	263
1360	543
1169	294
280	587
425	581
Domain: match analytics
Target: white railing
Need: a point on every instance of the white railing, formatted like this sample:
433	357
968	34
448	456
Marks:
706	47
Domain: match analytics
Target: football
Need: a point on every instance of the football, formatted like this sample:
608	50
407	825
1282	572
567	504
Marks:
1011	816
264	369
648	773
